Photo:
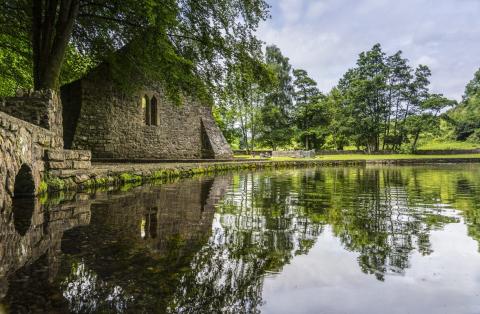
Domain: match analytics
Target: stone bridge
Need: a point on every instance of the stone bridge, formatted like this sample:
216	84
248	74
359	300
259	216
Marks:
31	141
22	149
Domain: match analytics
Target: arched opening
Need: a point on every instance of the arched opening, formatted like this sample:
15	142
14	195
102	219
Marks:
154	111
146	107
23	199
24	185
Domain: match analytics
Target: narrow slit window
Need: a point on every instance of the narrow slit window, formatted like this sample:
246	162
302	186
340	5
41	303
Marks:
154	111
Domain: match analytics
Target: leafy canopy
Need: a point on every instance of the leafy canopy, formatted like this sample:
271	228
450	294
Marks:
185	44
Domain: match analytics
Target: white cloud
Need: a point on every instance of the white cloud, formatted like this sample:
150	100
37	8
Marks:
325	36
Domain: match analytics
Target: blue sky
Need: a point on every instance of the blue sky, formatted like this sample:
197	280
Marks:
325	37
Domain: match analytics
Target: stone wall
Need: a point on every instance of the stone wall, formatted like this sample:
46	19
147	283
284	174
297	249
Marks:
65	159
294	153
112	123
21	143
217	144
42	108
32	143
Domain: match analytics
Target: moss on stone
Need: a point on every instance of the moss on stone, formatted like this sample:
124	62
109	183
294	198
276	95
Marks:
43	187
54	184
129	178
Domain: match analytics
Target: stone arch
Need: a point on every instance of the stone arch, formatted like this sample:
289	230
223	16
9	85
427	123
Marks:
154	111
24	186
146	106
23	199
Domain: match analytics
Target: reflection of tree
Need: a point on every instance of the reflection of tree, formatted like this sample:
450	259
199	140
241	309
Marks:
372	215
191	248
258	228
84	292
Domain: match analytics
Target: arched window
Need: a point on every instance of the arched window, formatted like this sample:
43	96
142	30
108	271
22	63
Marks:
154	111
148	224
146	107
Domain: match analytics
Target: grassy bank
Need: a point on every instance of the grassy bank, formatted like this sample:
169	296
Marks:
105	175
394	157
367	157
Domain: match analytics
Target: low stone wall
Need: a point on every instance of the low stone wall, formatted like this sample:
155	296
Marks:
447	152
31	143
253	152
67	159
41	108
102	175
22	144
294	153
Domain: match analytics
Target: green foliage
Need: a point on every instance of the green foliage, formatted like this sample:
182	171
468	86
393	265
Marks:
383	103
184	45
278	109
465	118
311	111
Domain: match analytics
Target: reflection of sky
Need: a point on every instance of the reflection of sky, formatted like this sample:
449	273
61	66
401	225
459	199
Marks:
328	280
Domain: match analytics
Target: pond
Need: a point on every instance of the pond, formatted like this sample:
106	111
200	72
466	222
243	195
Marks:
325	240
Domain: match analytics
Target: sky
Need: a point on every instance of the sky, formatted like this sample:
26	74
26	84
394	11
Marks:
325	37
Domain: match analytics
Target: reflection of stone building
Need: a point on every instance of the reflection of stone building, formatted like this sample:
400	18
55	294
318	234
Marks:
128	238
154	215
33	230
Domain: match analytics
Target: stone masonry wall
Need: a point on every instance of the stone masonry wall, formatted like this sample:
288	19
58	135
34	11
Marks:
42	108
112	124
21	143
31	140
294	153
65	159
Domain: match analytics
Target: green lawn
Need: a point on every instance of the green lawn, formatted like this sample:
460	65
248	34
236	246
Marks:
367	157
392	156
450	145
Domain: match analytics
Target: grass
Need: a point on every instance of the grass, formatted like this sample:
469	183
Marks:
365	157
448	145
392	156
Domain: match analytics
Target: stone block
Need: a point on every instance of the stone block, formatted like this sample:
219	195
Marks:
81	164
59	165
55	155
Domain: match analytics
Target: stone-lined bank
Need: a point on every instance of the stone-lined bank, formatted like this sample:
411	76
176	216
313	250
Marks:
117	174
110	174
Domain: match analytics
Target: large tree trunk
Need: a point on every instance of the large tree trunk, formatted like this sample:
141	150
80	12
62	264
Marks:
52	27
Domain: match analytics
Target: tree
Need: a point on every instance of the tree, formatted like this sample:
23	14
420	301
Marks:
189	42
311	116
341	124
465	117
398	79
428	119
247	84
278	108
384	103
364	89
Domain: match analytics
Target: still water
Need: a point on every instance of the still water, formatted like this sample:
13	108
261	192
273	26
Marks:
326	240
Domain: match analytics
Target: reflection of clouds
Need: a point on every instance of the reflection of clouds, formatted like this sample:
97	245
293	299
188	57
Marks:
256	230
85	292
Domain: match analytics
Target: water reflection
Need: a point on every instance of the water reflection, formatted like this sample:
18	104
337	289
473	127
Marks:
220	244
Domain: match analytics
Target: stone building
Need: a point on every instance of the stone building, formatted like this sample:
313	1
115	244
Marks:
100	117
